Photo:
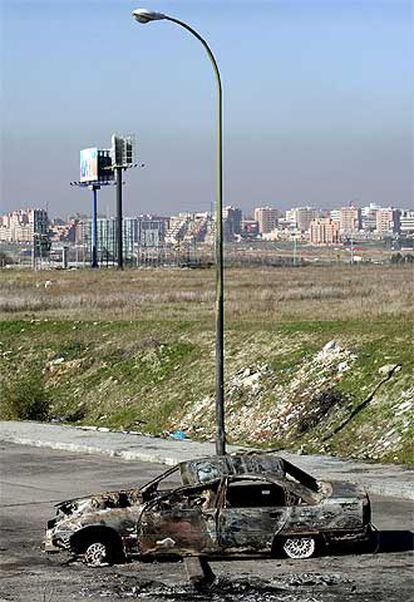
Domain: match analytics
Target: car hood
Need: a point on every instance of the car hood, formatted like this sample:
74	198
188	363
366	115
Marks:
100	501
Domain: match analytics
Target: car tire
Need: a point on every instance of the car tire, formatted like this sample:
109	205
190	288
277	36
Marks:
101	549
299	547
97	553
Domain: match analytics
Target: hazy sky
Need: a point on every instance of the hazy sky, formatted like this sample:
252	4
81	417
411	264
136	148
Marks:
318	101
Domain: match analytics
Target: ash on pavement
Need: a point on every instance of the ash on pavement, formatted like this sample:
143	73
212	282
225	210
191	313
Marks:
32	479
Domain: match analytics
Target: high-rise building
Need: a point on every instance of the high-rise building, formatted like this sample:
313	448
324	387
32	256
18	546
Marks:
232	222
335	215
387	221
266	218
323	231
349	219
106	236
83	231
130	236
301	217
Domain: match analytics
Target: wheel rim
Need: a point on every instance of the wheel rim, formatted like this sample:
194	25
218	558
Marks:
95	554
299	547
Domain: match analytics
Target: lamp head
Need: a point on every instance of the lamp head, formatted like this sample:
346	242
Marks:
143	15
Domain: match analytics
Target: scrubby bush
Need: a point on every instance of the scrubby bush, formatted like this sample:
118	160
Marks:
24	398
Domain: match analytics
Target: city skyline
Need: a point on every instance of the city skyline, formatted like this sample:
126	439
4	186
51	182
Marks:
317	103
282	208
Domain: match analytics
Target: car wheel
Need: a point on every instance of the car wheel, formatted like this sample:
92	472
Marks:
97	553
299	547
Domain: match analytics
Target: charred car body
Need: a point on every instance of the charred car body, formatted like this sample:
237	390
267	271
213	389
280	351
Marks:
229	505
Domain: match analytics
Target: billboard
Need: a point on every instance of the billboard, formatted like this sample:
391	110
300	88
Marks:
89	165
123	150
105	170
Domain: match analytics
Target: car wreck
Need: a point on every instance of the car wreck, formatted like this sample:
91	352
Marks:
256	503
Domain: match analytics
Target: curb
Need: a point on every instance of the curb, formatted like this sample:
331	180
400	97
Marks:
125	454
382	480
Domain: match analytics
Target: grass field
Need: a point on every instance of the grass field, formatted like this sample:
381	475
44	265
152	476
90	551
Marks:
276	294
135	350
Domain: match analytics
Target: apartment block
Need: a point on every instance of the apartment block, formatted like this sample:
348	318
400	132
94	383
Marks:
387	221
232	218
323	231
349	219
266	218
106	236
21	225
301	217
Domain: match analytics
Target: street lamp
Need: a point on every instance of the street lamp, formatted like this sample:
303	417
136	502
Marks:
143	16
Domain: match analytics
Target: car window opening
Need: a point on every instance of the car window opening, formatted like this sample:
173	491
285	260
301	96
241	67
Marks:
250	494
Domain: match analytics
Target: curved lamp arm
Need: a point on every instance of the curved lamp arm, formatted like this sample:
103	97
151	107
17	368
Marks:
145	16
220	431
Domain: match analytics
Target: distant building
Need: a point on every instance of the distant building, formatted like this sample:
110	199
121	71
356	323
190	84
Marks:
152	230
190	228
61	231
369	217
349	220
201	228
232	222
266	218
177	228
106	236
250	228
323	231
21	225
407	222
335	215
83	231
130	232
387	221
301	217
284	223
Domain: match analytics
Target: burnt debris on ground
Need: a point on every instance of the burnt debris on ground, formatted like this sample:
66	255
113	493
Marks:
301	587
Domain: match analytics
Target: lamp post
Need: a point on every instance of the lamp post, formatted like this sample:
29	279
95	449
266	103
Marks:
143	16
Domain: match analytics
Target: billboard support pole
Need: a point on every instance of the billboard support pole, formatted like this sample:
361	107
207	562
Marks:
118	178
95	189
34	252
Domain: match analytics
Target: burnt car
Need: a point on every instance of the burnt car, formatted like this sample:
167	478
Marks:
254	503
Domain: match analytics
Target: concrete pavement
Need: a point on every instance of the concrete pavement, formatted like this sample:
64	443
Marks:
33	479
380	479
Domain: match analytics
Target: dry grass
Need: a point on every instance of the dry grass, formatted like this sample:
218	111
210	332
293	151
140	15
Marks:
334	292
135	349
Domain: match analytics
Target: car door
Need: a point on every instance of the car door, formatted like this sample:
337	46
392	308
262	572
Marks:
181	522
252	510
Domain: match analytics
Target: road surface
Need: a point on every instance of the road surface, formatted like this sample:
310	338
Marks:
33	479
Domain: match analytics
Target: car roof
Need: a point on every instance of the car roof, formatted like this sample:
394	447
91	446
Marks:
204	470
